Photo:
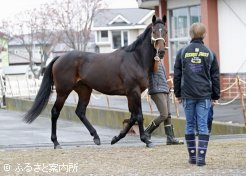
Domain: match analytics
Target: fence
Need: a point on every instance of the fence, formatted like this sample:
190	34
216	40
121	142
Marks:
16	87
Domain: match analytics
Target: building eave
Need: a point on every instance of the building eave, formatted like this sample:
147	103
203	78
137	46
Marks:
148	4
106	28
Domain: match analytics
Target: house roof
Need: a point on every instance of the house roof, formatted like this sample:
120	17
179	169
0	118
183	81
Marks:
27	38
17	59
122	17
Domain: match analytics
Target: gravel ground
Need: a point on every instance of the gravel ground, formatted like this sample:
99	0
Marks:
224	157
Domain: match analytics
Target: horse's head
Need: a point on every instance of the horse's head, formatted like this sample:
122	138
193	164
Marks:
158	36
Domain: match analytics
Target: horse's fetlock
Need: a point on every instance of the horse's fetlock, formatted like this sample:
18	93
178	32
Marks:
122	134
94	133
53	138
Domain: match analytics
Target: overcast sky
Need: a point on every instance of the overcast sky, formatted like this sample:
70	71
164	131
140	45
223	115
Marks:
10	7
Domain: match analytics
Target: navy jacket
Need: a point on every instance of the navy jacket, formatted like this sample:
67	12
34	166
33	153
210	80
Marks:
158	81
196	72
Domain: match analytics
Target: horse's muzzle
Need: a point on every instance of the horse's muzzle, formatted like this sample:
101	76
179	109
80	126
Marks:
161	53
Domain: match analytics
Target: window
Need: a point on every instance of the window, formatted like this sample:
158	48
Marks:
119	39
102	36
125	38
180	21
116	39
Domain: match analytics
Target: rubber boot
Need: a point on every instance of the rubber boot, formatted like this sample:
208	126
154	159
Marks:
150	128
171	140
202	149
191	146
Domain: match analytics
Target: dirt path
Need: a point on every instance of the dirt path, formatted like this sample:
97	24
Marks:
223	158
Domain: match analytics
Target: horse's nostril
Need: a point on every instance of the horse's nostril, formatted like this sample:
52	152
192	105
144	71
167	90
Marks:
161	52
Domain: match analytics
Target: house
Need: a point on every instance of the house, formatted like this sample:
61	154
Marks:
115	28
19	54
19	59
226	33
62	48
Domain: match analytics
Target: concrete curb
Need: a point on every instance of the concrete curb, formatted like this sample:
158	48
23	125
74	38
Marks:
112	118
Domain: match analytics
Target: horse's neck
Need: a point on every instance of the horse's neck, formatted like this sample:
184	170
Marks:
146	54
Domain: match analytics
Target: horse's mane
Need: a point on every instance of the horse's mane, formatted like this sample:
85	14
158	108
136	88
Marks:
140	38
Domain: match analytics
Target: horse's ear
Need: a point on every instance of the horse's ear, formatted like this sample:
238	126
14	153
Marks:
153	19
164	19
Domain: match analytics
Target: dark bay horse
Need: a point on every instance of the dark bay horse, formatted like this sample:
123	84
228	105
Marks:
122	72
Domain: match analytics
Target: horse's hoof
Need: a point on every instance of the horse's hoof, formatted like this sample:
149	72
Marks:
57	147
150	145
114	140
97	141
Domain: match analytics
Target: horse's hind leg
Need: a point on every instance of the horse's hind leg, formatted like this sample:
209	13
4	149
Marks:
123	132
84	93
55	112
134	104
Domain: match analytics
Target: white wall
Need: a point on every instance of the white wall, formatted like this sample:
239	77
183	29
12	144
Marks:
232	35
132	36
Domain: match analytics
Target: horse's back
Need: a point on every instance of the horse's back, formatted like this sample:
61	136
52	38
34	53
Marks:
97	71
109	73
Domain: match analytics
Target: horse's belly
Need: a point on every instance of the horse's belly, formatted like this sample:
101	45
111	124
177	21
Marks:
109	88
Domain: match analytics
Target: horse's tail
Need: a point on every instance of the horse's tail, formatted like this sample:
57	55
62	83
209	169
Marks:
43	95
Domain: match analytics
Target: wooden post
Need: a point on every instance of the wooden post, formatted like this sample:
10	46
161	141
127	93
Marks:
11	90
176	106
242	99
107	101
174	98
3	89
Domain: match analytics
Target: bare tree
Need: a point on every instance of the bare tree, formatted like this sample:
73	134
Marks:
75	17
42	28
46	34
33	29
24	23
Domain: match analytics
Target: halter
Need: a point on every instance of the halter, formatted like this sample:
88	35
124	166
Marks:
154	40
